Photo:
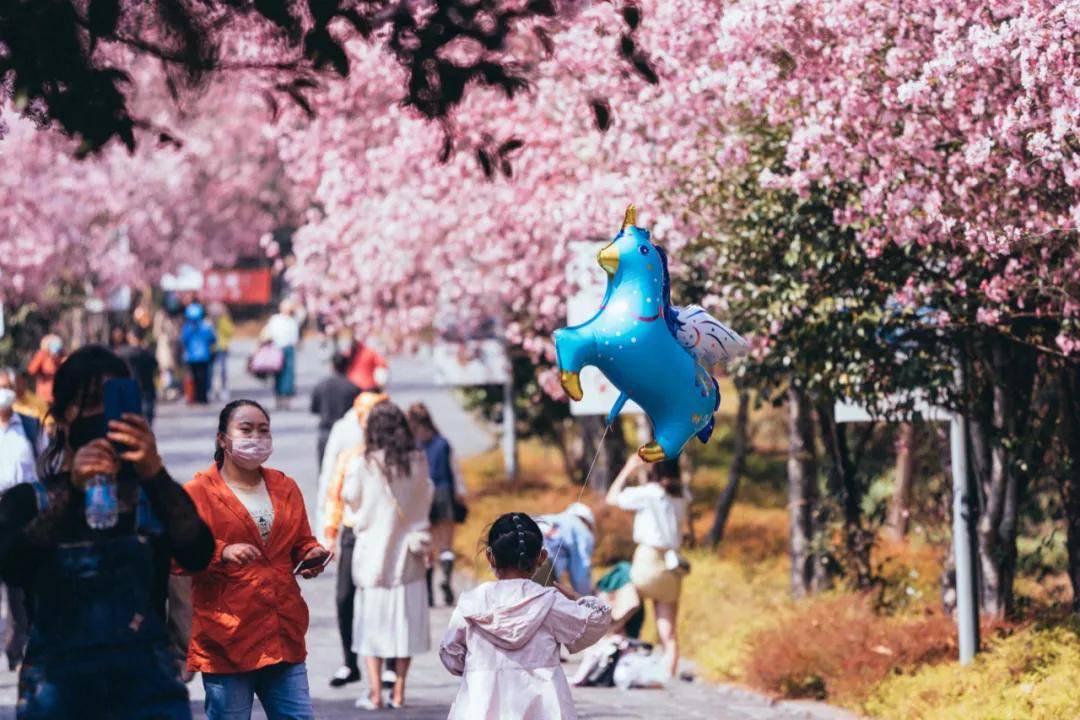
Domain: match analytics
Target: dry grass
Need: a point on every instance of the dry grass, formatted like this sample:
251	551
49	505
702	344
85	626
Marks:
839	648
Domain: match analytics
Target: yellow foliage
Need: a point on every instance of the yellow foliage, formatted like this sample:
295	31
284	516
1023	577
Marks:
1034	674
723	603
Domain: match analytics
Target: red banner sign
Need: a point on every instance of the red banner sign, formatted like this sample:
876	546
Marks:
241	287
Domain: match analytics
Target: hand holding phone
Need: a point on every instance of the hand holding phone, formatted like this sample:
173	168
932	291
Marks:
312	565
135	443
121	396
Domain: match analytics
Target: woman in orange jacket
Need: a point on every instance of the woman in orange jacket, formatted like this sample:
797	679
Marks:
249	619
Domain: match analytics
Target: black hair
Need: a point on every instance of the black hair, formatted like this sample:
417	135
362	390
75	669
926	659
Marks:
78	380
340	363
515	541
137	332
669	475
223	424
420	416
120	330
388	430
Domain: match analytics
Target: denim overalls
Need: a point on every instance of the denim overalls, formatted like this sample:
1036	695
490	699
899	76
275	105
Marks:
98	648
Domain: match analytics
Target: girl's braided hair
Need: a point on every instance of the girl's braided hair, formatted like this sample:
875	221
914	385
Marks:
515	541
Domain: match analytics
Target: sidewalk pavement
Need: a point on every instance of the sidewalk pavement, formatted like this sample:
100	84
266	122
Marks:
186	437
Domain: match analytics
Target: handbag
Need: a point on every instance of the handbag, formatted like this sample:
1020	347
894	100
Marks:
268	359
676	562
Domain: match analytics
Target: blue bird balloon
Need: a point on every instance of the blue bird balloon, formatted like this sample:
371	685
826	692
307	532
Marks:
633	340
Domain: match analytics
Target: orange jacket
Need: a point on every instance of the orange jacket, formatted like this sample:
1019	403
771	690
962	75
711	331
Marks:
245	617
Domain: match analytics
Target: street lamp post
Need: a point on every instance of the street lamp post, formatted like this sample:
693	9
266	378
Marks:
967	611
509	428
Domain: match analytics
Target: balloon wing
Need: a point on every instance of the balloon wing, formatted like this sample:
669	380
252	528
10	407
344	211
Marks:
708	340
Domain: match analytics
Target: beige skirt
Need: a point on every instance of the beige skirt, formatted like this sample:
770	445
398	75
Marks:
651	577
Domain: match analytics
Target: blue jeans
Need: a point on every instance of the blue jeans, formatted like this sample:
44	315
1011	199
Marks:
282	690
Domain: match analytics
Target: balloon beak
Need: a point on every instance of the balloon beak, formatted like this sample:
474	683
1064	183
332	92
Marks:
609	259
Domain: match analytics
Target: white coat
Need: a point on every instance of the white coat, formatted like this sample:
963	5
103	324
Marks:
504	640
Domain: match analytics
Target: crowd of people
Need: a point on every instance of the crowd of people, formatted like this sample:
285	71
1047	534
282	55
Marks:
389	494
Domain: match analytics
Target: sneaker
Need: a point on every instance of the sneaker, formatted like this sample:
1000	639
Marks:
389	677
364	702
344	676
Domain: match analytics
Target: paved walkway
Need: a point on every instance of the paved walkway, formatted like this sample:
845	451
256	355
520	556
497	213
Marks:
186	438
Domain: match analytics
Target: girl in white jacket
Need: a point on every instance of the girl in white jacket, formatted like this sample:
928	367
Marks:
504	637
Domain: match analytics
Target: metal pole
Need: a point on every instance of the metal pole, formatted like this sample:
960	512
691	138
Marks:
509	430
967	611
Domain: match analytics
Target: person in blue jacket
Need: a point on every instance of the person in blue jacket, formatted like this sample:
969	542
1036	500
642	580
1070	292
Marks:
570	538
198	338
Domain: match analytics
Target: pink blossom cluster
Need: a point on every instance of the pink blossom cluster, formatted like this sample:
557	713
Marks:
121	218
956	123
398	244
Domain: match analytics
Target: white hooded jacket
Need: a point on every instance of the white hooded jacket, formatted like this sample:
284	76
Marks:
504	640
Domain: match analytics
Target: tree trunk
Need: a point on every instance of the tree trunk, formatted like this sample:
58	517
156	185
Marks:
570	447
1007	452
802	492
900	507
844	484
735	470
1007	441
1069	430
590	432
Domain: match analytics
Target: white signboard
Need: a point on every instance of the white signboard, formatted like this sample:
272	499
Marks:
583	273
474	362
847	412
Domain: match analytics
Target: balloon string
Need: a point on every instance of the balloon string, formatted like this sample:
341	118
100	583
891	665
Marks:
599	448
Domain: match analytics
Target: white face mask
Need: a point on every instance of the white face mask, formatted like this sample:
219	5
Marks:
250	453
7	398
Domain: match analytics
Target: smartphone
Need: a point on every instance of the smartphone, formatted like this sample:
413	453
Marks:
121	395
312	564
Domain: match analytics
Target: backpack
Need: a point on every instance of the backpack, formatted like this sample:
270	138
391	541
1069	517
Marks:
32	429
603	673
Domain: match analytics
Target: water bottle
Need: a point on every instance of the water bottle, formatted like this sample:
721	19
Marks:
102	509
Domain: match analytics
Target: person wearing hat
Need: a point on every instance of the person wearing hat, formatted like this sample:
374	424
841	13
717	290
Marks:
198	339
570	538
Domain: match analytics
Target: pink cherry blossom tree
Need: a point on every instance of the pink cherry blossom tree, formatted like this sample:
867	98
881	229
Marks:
952	127
202	197
399	244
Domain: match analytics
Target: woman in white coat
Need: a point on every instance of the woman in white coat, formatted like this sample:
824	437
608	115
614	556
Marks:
389	492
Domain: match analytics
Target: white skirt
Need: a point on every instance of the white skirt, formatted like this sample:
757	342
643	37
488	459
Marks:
392	622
